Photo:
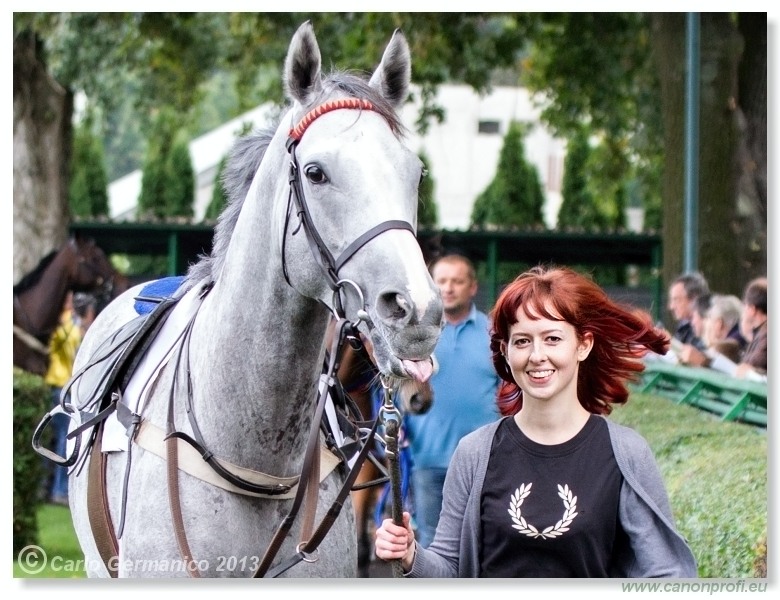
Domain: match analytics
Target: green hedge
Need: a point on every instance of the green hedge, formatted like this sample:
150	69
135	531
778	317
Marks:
716	476
31	401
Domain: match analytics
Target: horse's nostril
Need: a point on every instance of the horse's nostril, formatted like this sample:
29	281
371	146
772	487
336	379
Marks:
394	306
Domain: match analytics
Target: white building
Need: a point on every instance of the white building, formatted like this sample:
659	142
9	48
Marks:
463	153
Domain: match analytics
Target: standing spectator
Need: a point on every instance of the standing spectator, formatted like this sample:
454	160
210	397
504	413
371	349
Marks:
754	326
554	489
683	292
464	389
62	352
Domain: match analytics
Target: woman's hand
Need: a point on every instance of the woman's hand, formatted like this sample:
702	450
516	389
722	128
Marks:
396	542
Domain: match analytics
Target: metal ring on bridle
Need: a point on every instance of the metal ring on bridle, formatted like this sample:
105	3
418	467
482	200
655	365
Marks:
362	315
307	557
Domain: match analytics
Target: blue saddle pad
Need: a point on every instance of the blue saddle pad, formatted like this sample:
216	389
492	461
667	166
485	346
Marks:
152	293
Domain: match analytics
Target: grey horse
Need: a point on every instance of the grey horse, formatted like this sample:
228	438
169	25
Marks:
245	367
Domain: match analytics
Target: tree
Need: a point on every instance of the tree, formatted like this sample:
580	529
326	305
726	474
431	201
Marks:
88	194
56	54
427	213
164	59
180	192
623	74
591	200
42	136
218	196
731	225
514	197
168	179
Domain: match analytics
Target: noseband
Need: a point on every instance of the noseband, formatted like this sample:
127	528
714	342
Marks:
325	259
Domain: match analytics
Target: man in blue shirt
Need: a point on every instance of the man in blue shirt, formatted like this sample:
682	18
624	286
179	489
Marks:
464	390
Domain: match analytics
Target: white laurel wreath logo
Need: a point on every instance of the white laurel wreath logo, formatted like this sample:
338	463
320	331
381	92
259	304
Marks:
526	528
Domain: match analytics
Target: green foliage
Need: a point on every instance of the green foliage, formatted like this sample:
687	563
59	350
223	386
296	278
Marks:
427	213
180	191
88	187
716	476
30	404
594	192
578	210
218	197
168	179
514	197
596	68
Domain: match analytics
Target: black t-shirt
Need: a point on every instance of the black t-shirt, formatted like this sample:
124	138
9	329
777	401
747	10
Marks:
550	511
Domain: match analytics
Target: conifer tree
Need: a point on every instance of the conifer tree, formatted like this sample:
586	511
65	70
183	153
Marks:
581	209
180	192
88	187
168	179
514	197
218	197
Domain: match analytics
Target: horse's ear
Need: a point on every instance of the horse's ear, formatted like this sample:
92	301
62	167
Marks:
394	73
302	67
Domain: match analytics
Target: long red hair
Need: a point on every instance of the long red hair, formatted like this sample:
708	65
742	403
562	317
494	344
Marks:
621	334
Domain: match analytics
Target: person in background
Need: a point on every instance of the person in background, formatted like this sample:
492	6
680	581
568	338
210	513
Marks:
683	292
464	389
63	346
723	325
554	488
85	307
721	337
754	327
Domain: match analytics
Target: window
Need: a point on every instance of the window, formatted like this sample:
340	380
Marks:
489	127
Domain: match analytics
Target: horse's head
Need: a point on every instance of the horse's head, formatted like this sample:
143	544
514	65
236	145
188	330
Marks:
350	205
89	267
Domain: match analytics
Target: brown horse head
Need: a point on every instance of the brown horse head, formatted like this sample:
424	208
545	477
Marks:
79	266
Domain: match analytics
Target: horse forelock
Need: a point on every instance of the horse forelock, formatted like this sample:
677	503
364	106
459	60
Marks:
247	153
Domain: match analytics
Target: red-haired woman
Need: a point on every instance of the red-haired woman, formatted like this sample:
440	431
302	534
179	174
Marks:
554	489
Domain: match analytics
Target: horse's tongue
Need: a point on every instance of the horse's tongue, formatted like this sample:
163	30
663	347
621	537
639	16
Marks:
420	370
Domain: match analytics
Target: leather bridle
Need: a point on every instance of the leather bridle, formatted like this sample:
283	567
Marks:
329	264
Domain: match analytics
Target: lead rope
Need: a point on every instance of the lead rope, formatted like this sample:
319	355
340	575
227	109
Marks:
392	423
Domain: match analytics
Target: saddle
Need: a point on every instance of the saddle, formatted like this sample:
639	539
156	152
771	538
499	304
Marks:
108	370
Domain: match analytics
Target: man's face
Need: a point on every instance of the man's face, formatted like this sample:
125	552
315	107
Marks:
679	304
456	286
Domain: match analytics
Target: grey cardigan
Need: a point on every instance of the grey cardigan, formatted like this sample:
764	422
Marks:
656	548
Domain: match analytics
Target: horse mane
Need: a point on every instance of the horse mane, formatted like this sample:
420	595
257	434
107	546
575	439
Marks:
34	276
246	155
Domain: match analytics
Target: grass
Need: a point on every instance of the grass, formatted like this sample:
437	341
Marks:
715	472
64	559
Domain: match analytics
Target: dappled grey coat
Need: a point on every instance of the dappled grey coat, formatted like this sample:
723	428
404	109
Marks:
656	547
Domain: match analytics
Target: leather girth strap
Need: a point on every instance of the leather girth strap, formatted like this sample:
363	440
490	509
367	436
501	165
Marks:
98	510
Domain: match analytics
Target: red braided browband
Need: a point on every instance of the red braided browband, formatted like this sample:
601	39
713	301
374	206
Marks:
297	132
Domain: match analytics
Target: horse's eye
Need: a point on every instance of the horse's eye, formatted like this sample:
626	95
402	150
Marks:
315	174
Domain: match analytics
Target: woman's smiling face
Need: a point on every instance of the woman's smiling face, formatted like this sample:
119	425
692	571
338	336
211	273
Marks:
544	356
